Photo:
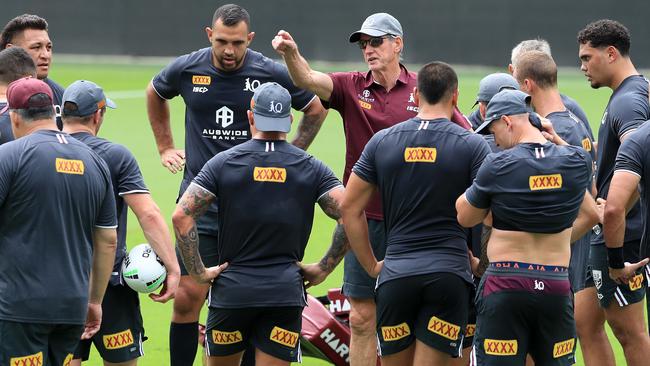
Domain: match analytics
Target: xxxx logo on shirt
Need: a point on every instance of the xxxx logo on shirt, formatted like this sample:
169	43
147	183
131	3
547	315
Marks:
498	347
563	348
586	144
32	360
221	337
270	174
539	182
395	332
201	80
284	337
365	105
69	166
420	155
636	282
443	328
118	340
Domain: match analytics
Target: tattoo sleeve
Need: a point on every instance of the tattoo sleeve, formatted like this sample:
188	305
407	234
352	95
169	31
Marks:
307	130
188	243
340	243
194	203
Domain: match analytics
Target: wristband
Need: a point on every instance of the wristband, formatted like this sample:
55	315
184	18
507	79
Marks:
615	258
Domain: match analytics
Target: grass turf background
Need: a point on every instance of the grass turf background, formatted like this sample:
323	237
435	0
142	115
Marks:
125	82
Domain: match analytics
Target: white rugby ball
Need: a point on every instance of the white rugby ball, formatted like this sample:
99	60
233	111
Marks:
142	269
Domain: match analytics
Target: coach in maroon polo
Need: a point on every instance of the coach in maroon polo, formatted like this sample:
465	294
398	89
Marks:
368	102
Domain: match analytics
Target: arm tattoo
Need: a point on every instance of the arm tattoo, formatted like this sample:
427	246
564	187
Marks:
188	243
485	238
307	130
196	201
336	252
330	206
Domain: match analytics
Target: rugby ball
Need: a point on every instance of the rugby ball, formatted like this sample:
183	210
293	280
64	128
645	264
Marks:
142	270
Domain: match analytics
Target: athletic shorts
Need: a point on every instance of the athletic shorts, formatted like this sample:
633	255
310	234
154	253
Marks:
470	328
121	335
208	249
578	271
431	308
607	289
524	309
357	284
37	344
274	330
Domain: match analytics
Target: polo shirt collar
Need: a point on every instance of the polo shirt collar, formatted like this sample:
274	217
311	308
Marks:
403	77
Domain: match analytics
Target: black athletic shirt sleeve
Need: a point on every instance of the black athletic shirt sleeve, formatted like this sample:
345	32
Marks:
208	177
327	180
130	177
630	113
8	165
107	217
167	82
630	155
366	167
478	194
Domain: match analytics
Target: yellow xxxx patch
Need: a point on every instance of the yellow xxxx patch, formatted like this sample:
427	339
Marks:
36	359
201	80
586	144
69	166
68	359
636	282
284	337
539	182
220	337
395	332
563	348
443	328
420	154
470	330
278	175
118	340
365	105
498	347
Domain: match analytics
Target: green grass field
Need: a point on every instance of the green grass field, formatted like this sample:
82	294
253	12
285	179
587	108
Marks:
128	125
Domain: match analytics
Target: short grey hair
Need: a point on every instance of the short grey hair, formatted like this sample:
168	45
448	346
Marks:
538	44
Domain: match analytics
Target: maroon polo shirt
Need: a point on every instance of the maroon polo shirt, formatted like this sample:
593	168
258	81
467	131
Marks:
367	108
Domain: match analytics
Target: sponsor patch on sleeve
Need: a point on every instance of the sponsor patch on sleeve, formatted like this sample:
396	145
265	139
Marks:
563	348
221	337
540	182
284	337
118	340
586	144
500	347
396	332
270	174
69	166
443	328
420	154
68	359
201	80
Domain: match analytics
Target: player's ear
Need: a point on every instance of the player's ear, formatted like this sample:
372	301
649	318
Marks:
251	121
208	32
15	123
612	53
481	109
454	97
416	96
250	37
511	69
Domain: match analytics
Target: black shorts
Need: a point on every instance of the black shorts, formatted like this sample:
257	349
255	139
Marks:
121	335
357	284
578	267
431	308
274	330
470	328
37	344
607	289
524	310
208	249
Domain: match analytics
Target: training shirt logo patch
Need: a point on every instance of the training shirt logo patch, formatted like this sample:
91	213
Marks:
395	332
470	330
221	337
68	166
636	282
68	359
420	155
270	174
540	182
284	337
201	80
563	348
35	359
443	328
586	144
365	105
498	347
118	340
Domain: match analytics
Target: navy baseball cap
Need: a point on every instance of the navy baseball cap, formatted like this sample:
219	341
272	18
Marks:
505	103
377	25
20	91
87	96
271	105
494	83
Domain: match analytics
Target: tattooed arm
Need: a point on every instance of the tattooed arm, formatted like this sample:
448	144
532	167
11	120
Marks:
310	123
193	204
316	273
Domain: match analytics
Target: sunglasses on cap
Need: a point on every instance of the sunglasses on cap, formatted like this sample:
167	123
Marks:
374	42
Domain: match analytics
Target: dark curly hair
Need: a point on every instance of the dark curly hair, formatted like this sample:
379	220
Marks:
19	24
605	33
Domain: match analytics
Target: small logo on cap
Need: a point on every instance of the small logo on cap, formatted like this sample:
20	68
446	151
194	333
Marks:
275	107
201	80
